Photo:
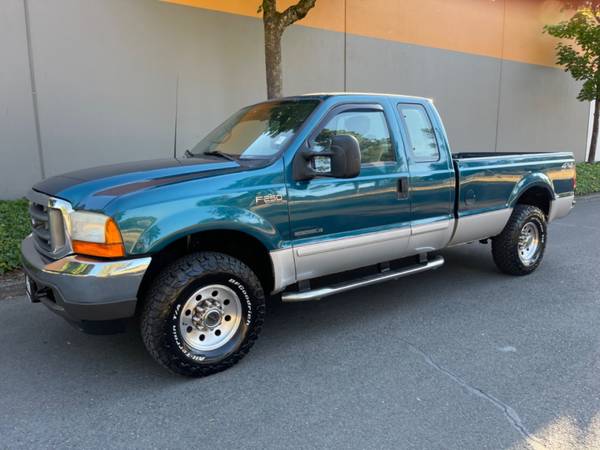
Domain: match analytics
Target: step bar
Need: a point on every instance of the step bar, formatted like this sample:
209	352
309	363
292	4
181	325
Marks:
317	294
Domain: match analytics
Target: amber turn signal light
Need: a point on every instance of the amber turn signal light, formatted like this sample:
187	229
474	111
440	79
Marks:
112	247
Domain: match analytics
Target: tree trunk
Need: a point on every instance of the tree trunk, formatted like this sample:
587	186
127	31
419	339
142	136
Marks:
594	140
274	24
273	33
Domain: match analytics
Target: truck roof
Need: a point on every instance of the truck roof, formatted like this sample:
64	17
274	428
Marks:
325	95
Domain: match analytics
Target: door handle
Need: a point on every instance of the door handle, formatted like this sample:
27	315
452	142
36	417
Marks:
402	187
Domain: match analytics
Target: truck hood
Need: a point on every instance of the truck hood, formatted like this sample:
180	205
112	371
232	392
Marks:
93	188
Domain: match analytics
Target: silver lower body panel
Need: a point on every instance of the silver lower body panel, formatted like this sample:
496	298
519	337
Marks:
480	226
561	206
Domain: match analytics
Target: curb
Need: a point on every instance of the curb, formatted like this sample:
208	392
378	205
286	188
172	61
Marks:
12	285
587	197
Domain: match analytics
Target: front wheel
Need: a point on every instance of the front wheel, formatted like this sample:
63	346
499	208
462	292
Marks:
519	249
202	314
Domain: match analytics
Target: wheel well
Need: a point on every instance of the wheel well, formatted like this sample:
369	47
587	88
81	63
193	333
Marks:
536	196
240	245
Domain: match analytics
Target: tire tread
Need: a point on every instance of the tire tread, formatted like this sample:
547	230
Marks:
505	245
165	290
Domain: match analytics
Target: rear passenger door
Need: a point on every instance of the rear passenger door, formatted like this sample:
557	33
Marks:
340	224
432	185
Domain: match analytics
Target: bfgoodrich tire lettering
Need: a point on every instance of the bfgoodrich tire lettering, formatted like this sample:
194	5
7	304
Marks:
508	247
166	315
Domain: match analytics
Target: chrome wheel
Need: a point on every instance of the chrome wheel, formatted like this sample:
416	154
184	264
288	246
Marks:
210	317
529	244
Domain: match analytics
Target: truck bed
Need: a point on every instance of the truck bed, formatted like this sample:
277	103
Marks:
488	181
488	184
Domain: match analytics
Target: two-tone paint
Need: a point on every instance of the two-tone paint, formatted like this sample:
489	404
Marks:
323	225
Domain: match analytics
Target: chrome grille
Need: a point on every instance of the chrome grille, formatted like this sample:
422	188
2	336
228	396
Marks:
49	230
40	226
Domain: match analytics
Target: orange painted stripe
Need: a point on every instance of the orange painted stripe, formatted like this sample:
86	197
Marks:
326	15
523	37
509	29
470	26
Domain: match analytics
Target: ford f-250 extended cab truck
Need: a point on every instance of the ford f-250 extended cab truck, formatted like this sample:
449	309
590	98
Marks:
300	197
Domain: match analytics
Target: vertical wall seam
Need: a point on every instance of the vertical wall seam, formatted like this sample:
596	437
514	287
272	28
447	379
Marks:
345	45
500	78
34	97
176	117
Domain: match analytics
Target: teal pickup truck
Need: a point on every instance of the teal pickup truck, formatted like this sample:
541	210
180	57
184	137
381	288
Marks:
297	198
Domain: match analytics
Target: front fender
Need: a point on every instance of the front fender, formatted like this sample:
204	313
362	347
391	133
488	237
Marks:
144	235
532	180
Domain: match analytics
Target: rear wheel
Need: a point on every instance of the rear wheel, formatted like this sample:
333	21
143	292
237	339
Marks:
202	314
519	249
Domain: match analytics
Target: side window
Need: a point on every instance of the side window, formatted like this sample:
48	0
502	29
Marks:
420	132
369	127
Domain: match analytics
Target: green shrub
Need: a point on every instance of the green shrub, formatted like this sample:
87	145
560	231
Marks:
588	178
14	226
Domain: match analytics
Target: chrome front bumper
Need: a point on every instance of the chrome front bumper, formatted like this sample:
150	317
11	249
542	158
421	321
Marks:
81	288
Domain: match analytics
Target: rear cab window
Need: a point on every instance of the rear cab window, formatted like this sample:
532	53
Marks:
423	144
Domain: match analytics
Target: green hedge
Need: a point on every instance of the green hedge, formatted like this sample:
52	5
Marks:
14	226
588	178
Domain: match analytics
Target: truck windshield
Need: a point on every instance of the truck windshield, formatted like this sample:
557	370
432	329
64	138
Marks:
257	132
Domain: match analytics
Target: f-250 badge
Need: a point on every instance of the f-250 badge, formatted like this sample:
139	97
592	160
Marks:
268	199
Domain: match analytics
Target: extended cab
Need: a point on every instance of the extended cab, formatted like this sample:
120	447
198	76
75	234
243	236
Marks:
297	198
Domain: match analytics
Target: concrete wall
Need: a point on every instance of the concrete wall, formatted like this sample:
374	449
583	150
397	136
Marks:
463	87
538	111
19	158
120	80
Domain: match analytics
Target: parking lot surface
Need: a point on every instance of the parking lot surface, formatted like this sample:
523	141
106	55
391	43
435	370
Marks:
462	357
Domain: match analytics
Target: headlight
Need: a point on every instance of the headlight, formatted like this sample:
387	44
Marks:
95	235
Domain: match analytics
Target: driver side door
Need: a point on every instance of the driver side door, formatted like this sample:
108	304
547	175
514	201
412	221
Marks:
341	224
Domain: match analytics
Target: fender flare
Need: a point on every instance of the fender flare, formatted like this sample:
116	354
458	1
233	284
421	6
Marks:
533	180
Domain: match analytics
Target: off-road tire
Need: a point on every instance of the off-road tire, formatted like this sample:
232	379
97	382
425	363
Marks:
505	246
172	288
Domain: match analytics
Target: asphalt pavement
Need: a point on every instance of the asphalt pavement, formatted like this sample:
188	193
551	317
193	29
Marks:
459	358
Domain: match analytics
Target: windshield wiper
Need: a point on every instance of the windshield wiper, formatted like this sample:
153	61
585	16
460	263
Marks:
219	153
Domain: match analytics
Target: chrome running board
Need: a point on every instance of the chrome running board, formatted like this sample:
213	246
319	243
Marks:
317	294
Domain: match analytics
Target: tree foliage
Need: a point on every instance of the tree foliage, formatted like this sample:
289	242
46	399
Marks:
580	56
